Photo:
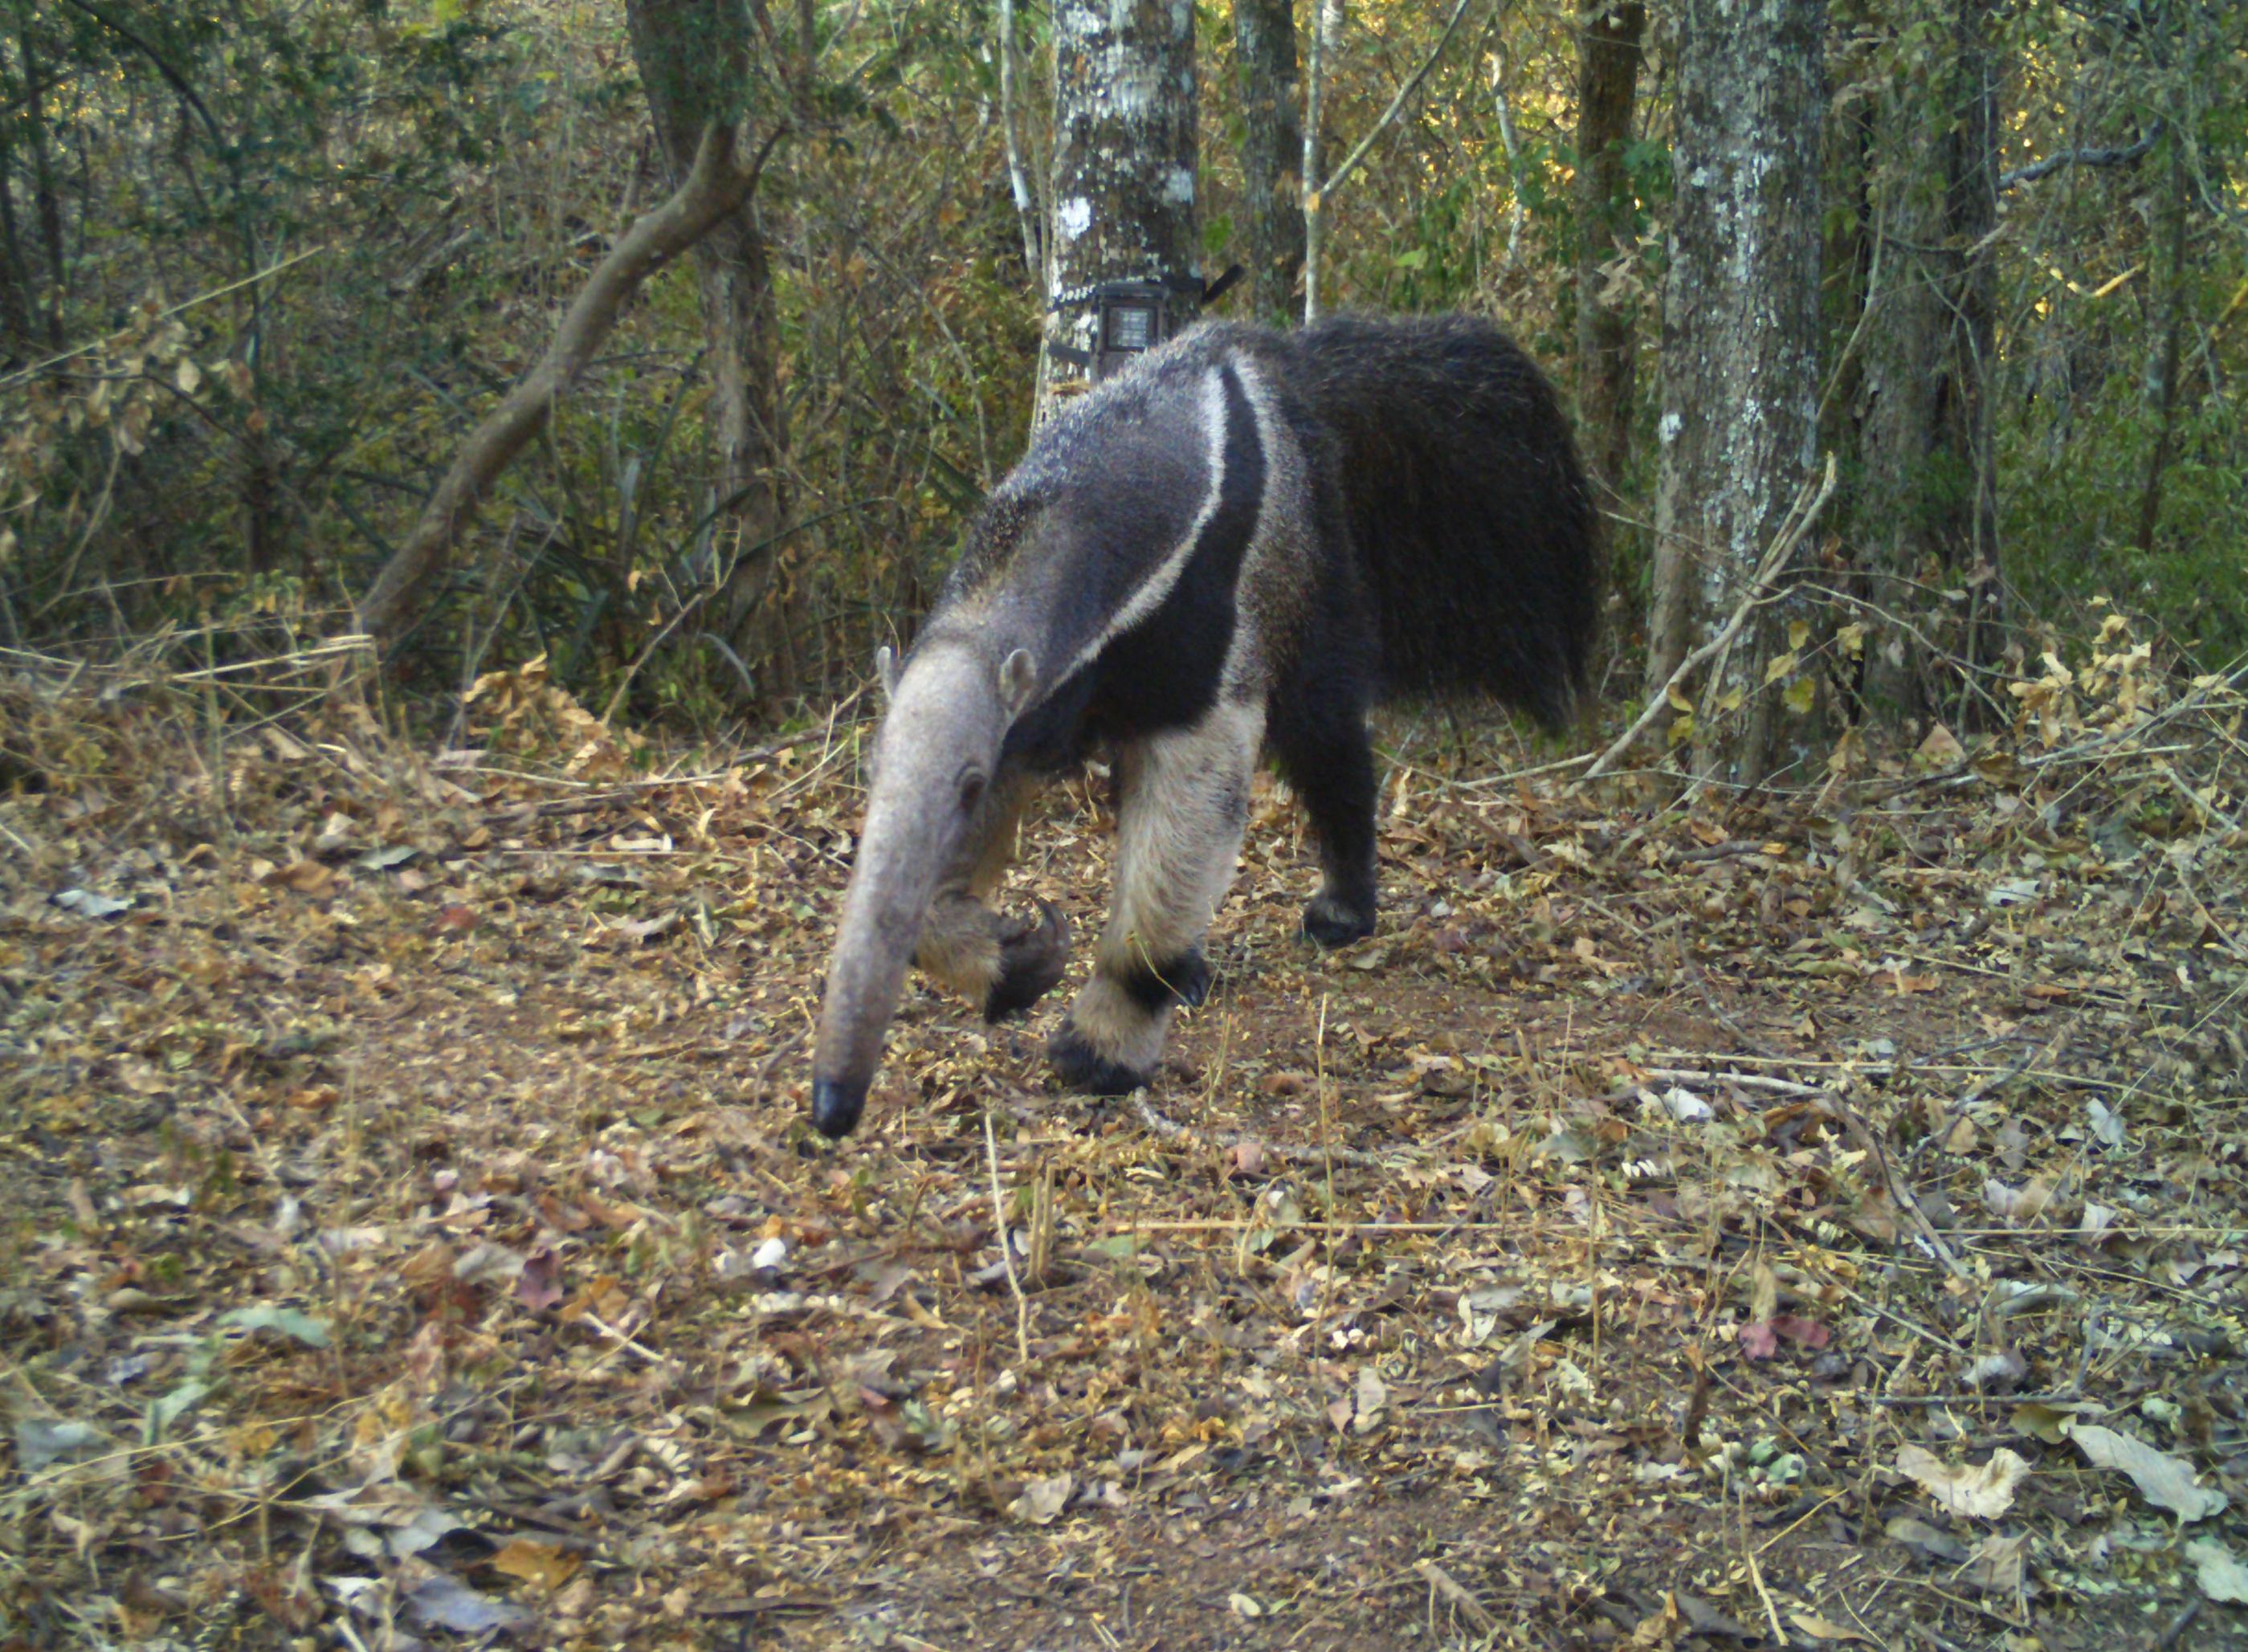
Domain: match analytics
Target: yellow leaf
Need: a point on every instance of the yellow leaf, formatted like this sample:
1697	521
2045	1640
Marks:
1800	694
540	1563
1852	638
1798	633
1681	727
1781	666
306	877
1677	699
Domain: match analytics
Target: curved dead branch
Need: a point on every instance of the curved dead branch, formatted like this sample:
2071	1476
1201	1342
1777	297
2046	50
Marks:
713	189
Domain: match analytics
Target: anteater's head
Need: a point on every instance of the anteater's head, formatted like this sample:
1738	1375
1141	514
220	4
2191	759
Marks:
934	758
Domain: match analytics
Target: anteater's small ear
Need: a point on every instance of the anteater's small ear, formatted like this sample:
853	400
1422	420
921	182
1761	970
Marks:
885	671
1018	675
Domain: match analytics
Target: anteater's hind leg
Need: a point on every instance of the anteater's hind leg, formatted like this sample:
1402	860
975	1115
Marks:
1186	800
1319	734
1003	965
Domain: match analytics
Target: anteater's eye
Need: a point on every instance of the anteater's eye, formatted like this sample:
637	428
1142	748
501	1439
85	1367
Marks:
972	791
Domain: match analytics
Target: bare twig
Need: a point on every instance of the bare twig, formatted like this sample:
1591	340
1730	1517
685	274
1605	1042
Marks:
1316	191
2052	163
1006	1245
1755	1576
1341	174
625	1342
1899	1194
1455	1595
1791	531
1746	1080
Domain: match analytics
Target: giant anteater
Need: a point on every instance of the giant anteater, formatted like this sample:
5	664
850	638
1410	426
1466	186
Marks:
1232	545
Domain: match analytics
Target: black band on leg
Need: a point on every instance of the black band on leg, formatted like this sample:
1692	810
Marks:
1185	980
1086	1071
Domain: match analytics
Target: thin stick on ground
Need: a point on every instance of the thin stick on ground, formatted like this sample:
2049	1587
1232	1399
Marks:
1007	1246
1455	1595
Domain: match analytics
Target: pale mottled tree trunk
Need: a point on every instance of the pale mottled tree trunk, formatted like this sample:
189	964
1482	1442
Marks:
1740	348
696	65
1327	32
1271	155
1608	86
1123	196
1928	508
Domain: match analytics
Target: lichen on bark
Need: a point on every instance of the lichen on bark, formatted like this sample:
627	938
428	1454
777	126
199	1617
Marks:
1124	138
1738	426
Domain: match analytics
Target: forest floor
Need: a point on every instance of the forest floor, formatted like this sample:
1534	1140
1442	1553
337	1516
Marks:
1813	1219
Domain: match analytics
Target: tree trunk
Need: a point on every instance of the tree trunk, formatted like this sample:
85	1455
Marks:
1739	350
1018	179
1928	506
1271	155
1123	196
1607	83
17	284
45	199
697	67
2163	378
1327	34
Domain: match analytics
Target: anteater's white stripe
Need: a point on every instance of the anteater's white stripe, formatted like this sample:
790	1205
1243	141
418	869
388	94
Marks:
1157	585
1255	392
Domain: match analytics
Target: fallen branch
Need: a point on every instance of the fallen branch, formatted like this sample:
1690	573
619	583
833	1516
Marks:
1163	1125
713	189
1899	1194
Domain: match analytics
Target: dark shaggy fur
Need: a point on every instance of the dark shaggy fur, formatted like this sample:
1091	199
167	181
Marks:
1470	513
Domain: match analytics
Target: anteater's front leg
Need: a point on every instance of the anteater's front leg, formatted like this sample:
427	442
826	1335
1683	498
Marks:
1185	802
1003	964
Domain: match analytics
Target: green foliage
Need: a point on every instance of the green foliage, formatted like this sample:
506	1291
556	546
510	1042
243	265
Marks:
2071	514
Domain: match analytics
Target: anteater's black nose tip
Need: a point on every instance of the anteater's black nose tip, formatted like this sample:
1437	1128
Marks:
835	1105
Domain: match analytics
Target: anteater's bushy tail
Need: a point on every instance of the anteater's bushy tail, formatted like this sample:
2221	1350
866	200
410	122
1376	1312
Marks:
1473	522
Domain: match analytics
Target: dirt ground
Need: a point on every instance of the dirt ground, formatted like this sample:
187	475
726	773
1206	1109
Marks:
1806	1219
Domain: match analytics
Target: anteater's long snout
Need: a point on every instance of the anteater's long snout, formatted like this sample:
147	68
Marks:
874	941
863	985
934	759
836	1103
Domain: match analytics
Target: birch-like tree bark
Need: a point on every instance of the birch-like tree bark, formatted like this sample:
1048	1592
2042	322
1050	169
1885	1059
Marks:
1271	155
1737	428
1327	32
1123	196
